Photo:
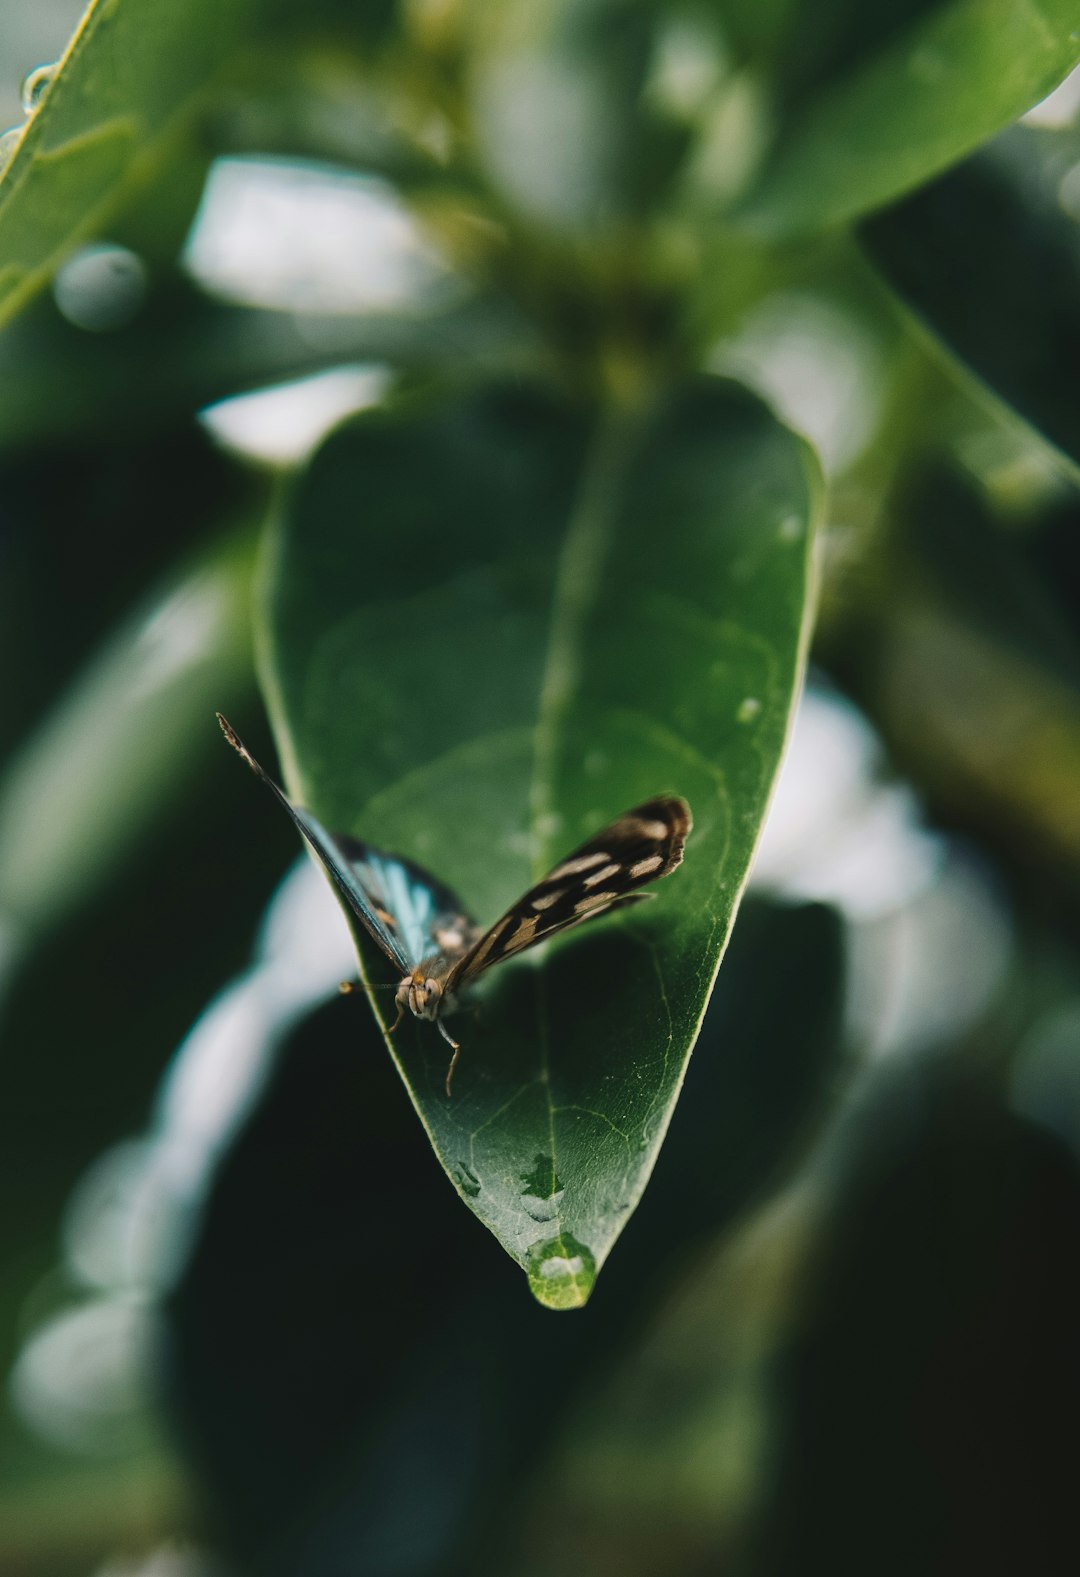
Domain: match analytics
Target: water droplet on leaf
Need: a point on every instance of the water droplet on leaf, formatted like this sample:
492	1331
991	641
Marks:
35	85
542	1192
466	1179
748	709
541	1209
561	1272
9	141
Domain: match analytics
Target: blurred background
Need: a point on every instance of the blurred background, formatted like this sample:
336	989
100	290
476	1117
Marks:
839	1334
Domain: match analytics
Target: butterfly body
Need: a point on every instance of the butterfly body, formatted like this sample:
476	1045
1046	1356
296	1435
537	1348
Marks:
423	994
438	950
423	990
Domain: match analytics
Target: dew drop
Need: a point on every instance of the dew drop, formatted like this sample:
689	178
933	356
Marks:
541	1209
101	287
561	1272
9	141
542	1193
748	709
790	528
542	1180
466	1180
35	85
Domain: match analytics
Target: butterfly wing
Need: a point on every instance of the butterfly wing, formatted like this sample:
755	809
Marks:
404	910
639	847
424	917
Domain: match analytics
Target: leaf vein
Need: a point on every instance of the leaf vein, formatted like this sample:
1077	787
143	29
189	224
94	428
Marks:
602	1117
578	578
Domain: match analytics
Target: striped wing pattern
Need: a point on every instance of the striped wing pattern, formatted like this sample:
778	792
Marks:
605	873
418	923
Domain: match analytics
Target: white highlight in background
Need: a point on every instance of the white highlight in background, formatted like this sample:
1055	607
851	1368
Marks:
283	424
818	364
306	237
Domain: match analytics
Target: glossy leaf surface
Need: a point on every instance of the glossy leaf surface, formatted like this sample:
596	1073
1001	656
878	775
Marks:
102	131
490	629
896	103
117	118
280	1275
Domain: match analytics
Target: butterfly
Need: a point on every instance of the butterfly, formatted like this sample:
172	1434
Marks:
424	932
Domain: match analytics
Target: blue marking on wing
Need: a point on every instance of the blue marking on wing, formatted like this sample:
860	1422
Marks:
397	902
336	857
413	897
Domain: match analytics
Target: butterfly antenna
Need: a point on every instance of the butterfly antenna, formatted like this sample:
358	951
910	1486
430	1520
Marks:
245	754
450	1041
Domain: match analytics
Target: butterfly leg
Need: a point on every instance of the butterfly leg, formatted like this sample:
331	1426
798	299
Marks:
400	1016
450	1041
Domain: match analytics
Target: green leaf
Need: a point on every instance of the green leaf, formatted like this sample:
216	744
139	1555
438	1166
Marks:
989	256
563	126
57	378
294	1229
491	627
888	120
111	119
119	114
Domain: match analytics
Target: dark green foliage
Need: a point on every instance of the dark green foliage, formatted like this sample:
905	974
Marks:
568	558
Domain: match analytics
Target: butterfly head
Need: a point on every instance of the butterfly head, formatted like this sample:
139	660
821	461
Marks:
422	994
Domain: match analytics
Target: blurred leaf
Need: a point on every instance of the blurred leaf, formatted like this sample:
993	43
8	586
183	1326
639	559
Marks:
57	378
116	117
994	736
538	627
989	256
110	120
341	1464
662	1453
61	1520
973	674
806	45
320	98
948	1238
92	530
557	107
98	1006
75	795
943	80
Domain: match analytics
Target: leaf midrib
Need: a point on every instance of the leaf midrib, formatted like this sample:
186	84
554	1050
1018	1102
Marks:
577	581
